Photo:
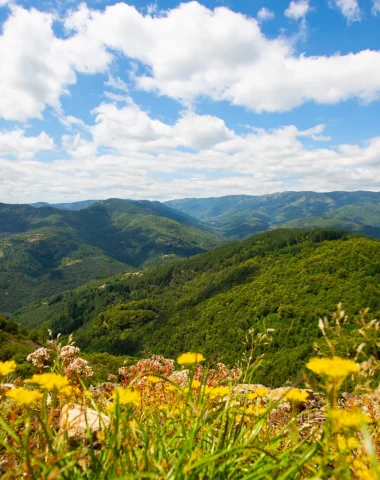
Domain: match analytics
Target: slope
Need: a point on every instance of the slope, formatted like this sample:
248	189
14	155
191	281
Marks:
241	215
284	279
45	250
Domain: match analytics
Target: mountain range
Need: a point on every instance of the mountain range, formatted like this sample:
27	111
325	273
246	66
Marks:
239	216
217	302
46	250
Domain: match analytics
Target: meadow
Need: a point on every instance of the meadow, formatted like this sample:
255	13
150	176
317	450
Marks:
191	419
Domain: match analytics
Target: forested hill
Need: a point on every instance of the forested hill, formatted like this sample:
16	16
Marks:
284	279
238	216
46	250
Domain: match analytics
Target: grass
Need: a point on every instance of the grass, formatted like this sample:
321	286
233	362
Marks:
199	421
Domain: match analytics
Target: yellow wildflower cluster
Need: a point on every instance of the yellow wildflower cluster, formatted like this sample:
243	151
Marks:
215	392
23	396
335	367
348	419
7	367
190	358
50	381
126	396
347	443
297	396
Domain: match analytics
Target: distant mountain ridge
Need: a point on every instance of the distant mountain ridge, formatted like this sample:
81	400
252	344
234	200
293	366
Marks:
66	206
46	250
238	216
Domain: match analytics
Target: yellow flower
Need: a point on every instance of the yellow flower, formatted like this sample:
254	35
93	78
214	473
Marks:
70	391
252	396
152	379
348	419
347	443
262	392
7	367
23	396
126	396
49	381
190	358
295	395
195	384
335	367
172	388
217	391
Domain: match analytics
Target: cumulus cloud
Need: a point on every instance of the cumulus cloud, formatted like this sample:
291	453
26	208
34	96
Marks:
14	143
350	9
186	53
116	155
192	51
37	67
265	14
297	10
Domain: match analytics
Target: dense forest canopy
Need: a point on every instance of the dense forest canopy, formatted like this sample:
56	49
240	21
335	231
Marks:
283	280
47	250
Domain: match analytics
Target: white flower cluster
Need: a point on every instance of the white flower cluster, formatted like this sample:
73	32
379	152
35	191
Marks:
38	358
80	368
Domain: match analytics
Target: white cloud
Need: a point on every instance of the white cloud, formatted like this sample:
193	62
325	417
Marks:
36	67
192	52
189	52
350	9
16	144
132	155
376	7
297	10
201	131
265	14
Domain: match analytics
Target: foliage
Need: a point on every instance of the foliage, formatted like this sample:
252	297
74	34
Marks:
199	422
238	216
44	251
281	280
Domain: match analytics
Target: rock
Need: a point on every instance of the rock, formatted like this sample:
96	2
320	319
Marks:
5	387
3	467
244	388
75	420
278	393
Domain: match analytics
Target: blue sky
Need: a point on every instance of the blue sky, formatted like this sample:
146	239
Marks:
168	100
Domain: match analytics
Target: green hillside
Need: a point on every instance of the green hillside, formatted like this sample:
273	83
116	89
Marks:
239	216
45	250
284	279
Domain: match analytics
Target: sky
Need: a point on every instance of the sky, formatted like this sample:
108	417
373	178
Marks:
166	100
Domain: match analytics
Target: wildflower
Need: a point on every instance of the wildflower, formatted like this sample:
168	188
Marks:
295	395
252	396
23	396
195	384
50	381
7	367
79	367
262	392
190	358
70	391
152	379
214	392
335	367
38	357
126	396
68	353
348	419
347	443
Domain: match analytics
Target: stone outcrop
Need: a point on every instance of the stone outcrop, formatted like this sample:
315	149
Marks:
77	420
